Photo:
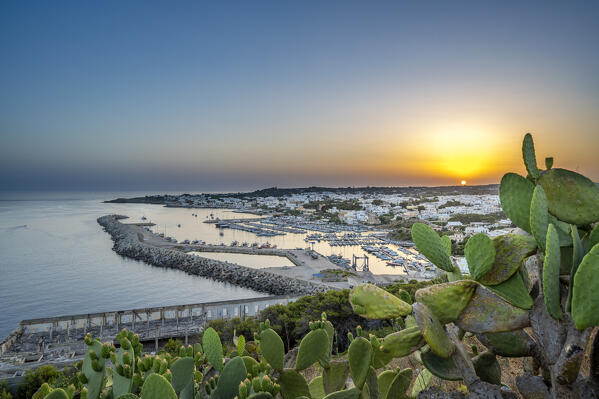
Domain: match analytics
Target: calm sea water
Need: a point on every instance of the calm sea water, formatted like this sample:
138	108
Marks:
55	260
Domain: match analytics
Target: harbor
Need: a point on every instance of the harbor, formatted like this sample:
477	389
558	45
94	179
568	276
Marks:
235	229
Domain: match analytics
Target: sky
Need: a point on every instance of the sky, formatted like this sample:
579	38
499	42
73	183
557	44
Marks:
227	96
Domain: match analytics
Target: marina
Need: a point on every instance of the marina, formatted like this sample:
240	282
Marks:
223	227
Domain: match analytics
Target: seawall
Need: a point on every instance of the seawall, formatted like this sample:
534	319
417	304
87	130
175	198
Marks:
127	243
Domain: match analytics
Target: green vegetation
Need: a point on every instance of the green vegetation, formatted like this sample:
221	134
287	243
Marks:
173	345
323	206
34	380
386	218
400	229
511	314
451	203
5	391
457	249
476	218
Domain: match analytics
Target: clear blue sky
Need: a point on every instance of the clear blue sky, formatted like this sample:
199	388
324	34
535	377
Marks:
172	95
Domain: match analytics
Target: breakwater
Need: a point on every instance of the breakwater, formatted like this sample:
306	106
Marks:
129	242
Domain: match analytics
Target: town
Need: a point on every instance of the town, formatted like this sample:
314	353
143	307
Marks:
458	212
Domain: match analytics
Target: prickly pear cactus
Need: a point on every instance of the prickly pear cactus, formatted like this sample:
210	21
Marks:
213	348
551	285
431	245
359	354
571	197
585	301
314	347
515	194
272	348
480	254
157	387
372	302
94	365
516	281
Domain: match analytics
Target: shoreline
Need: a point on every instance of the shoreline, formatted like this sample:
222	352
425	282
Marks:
130	242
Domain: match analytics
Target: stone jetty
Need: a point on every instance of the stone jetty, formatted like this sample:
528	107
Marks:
129	242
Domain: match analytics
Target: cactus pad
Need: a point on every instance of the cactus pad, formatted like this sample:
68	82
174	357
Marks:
157	387
514	291
122	384
515	194
95	379
421	382
400	384
480	255
57	394
447	244
372	383
487	312
293	384
353	393
529	157
316	388
571	197
432	330
372	302
563	230
594	236
228	382
539	216
384	381
403	342
379	359
551	268
334	376
487	368
447	300
510	251
182	370
508	344
577	255
444	368
585	299
272	348
213	348
360	353
430	245
314	347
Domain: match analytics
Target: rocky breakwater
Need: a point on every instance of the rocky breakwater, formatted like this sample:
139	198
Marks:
127	243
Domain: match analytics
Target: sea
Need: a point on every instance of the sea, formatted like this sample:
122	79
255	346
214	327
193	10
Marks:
56	260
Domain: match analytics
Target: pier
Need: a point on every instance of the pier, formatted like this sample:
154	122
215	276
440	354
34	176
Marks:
59	340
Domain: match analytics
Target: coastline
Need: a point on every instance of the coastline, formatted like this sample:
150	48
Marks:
130	242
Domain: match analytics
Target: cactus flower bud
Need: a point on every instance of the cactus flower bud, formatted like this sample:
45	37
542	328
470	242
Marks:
126	358
256	384
106	350
242	391
125	343
138	380
96	365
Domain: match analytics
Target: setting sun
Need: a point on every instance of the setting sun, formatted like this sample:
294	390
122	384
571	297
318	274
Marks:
463	182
